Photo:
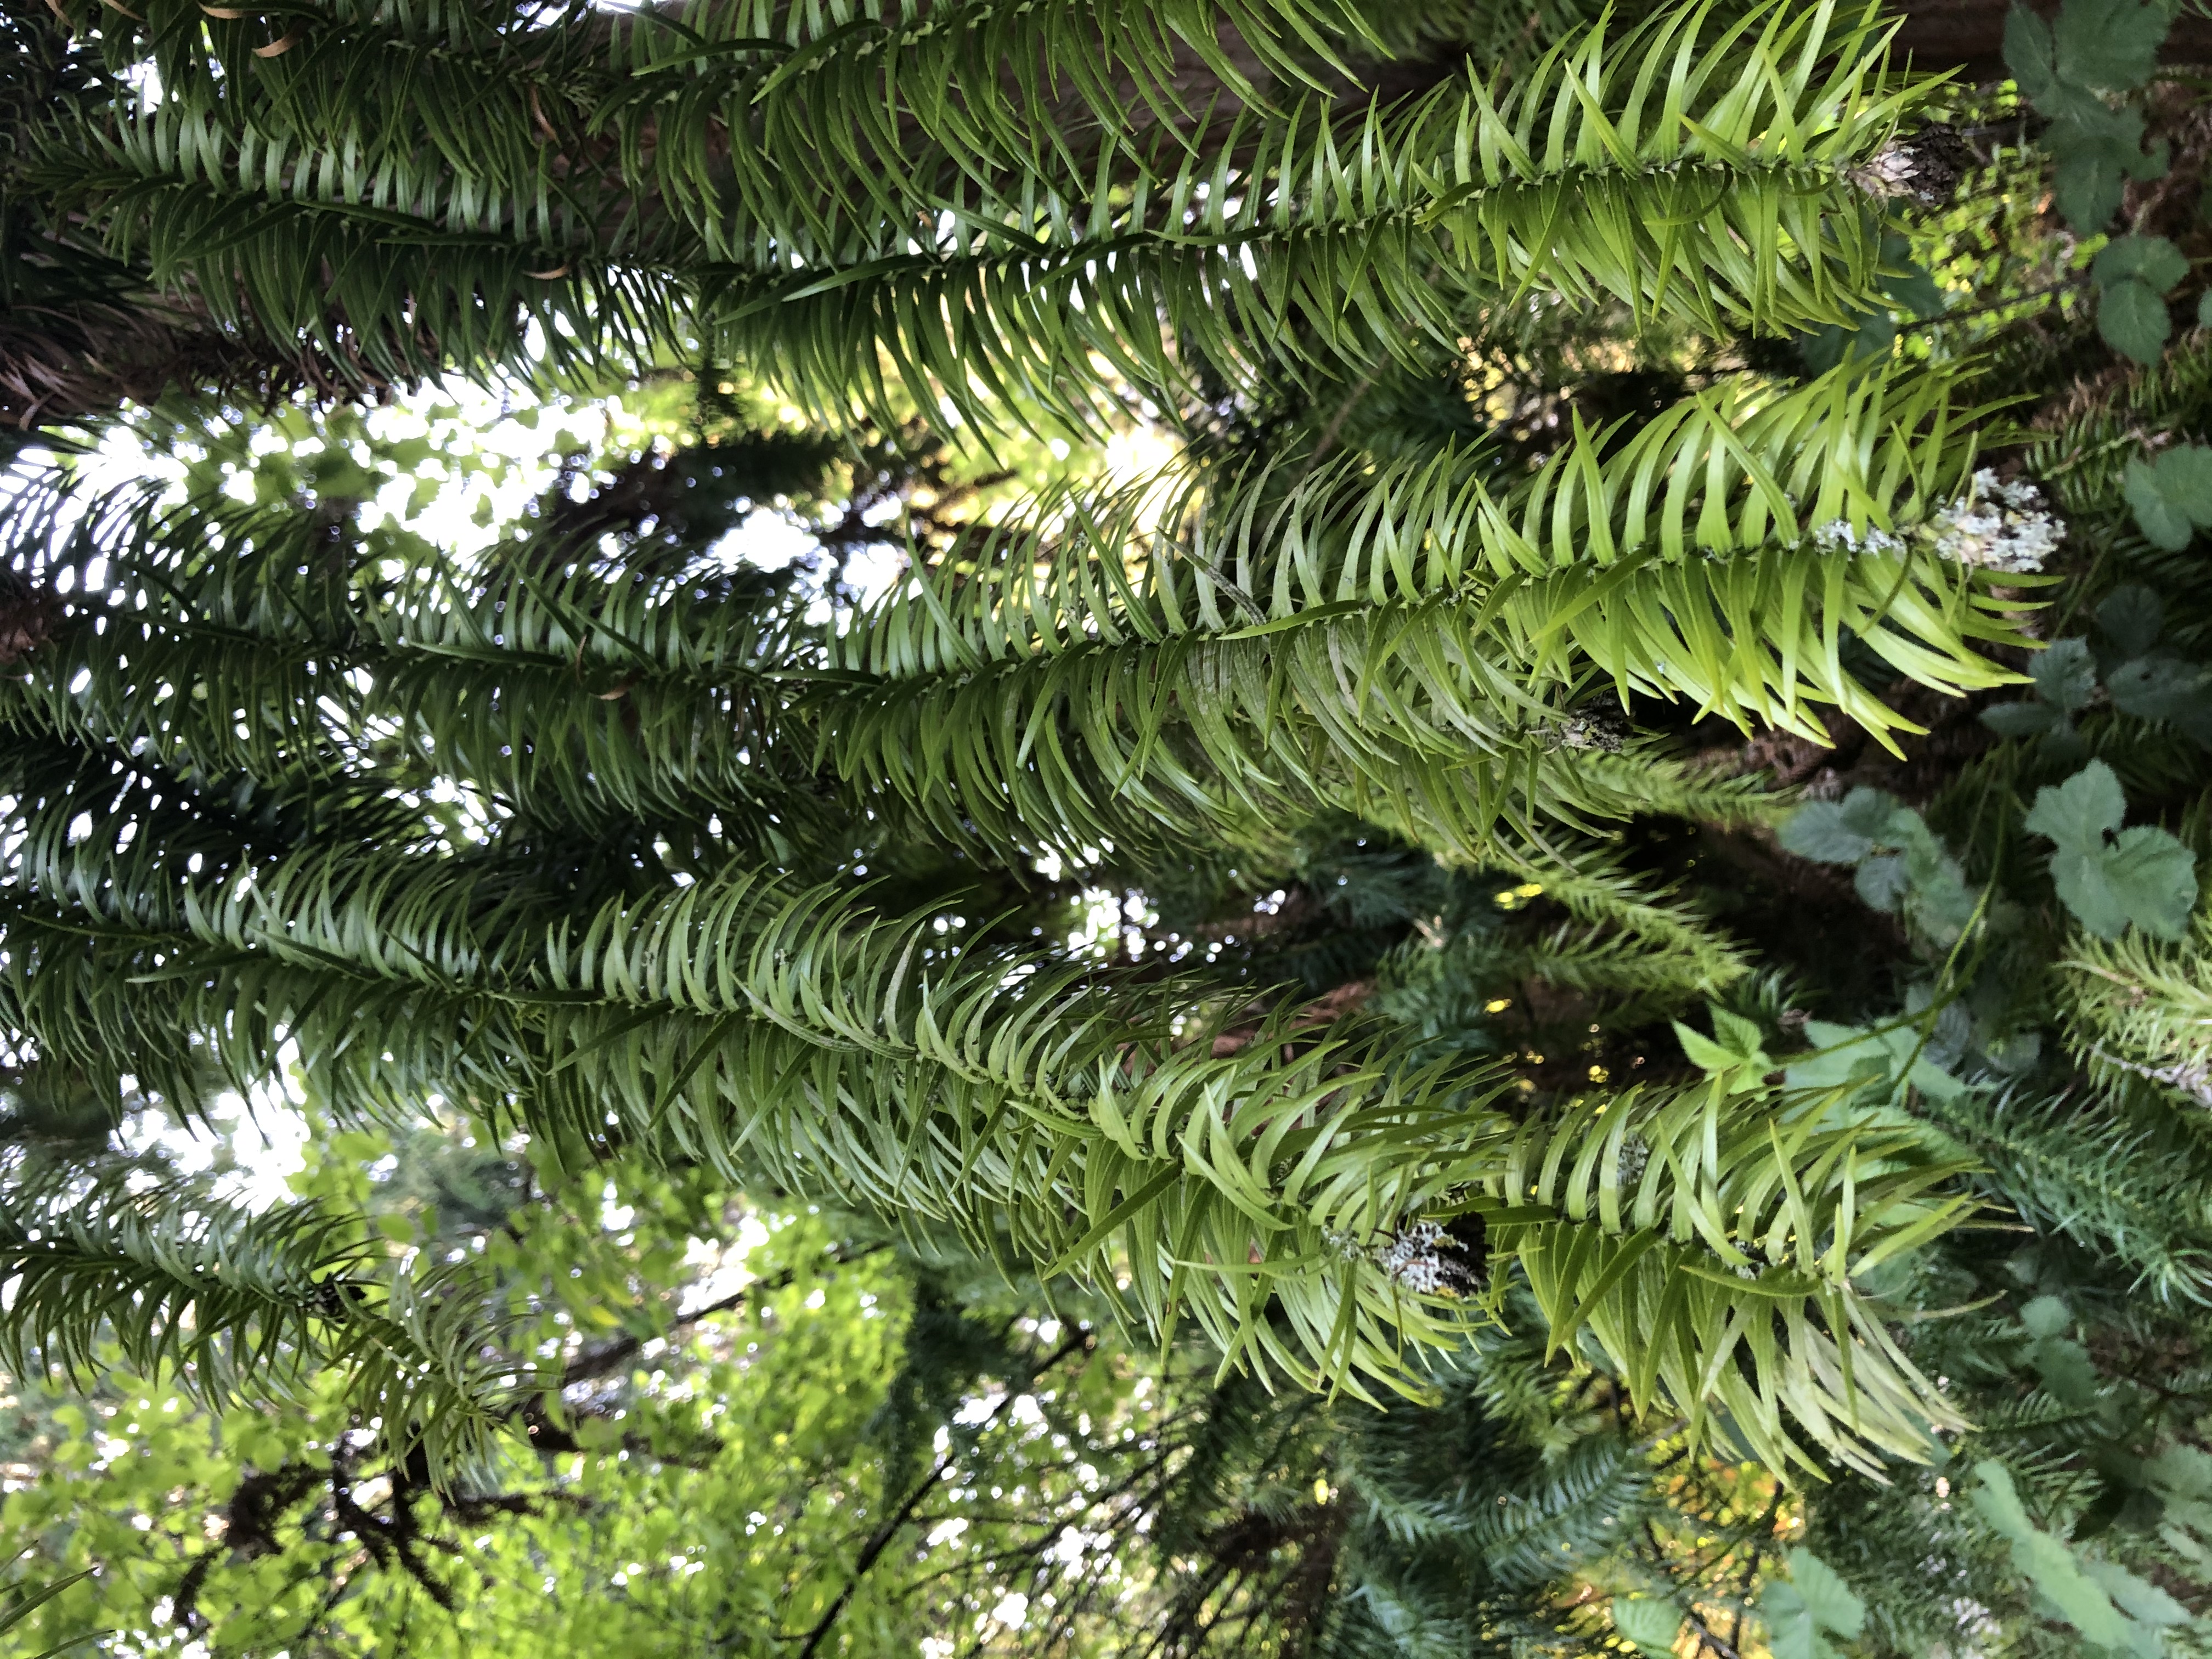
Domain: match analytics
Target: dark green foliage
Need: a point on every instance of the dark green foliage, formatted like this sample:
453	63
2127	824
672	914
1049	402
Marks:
1525	1147
2098	47
948	1350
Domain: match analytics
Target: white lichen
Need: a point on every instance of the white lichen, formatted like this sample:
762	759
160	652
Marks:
1635	1157
1837	536
1994	526
1998	526
1425	1260
1591	730
2192	1078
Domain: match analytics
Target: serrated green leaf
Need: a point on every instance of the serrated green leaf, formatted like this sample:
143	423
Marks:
2031	55
1819	830
2184	477
1791	1633
2065	674
1827	1597
2111	45
1650	1623
2021	719
2183	1471
1842	832
1881	882
2098	150
1708	1055
1742	1036
2160	688
2047	1315
2163	522
2133	320
2057	1577
2108	877
2151	260
2081	813
2148	877
2132	617
2088	185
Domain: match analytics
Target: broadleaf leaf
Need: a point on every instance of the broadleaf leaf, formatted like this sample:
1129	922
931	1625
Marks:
2065	675
2111	45
2151	260
2108	877
2132	318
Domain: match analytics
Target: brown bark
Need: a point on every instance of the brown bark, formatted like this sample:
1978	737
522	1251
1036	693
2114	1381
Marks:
64	363
28	617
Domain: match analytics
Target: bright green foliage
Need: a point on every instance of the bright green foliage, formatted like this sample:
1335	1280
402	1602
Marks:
1676	565
1734	1057
1331	1093
634	918
23	1599
1685	1214
779	1029
1694	169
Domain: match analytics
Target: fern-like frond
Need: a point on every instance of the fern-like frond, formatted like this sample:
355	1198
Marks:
1583	1505
913	198
232	1304
1687	172
1710	1250
2136	1006
1407	617
790	1035
794	1036
2101	1176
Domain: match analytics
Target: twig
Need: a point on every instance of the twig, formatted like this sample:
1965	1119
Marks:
872	1551
2064	285
599	1361
1709	1637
